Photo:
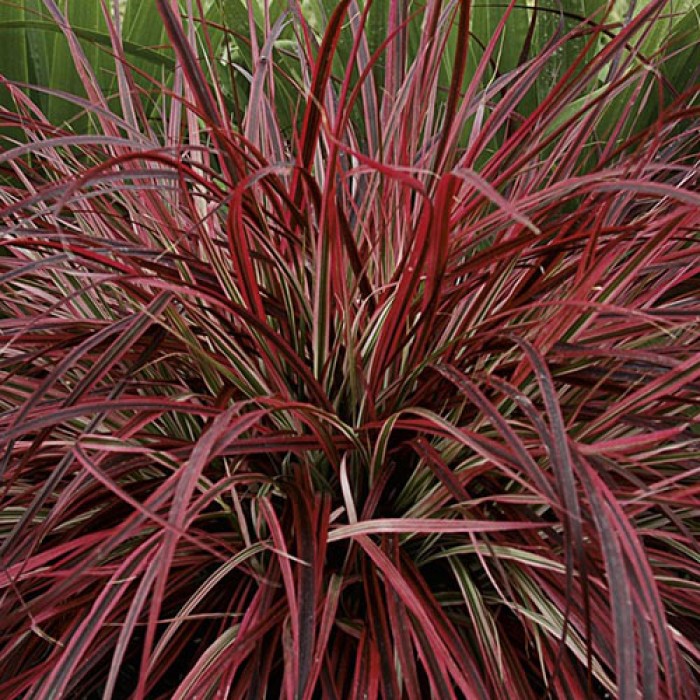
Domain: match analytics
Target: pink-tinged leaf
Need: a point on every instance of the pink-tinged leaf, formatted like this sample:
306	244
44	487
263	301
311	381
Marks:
474	394
231	424
632	443
402	634
479	184
59	678
257	100
455	89
379	630
441	470
314	104
241	254
621	602
681	375
311	525
95	471
472	687
424	525
329	611
294	678
195	76
640	577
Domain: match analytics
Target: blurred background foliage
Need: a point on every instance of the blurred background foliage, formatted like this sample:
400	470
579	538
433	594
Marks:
232	38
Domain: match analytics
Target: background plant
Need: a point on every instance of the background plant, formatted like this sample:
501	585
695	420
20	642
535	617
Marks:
378	381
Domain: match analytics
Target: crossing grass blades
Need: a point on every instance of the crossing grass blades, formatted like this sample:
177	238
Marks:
339	363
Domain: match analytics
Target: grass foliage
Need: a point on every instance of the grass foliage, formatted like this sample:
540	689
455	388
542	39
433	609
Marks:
353	353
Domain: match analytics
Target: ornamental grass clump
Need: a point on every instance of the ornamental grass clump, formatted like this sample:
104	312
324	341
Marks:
341	362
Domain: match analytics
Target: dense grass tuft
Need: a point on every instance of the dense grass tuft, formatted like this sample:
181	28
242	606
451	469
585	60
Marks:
376	378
